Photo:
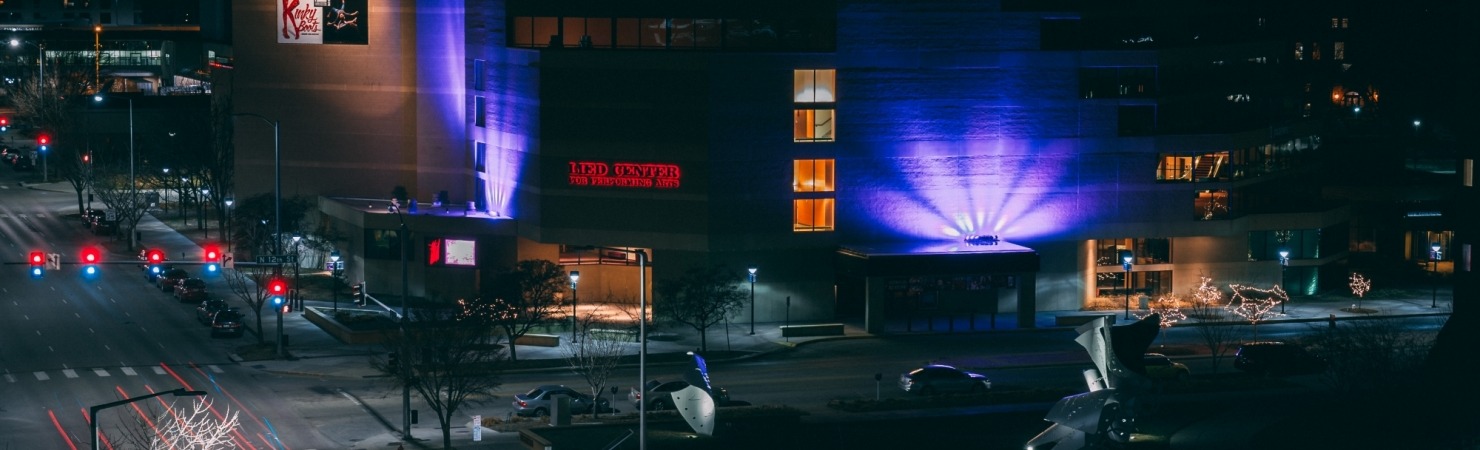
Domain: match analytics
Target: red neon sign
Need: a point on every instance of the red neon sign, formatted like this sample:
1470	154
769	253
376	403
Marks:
622	174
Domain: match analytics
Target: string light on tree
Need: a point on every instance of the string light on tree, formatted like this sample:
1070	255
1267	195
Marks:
1254	304
1360	285
1169	307
1208	294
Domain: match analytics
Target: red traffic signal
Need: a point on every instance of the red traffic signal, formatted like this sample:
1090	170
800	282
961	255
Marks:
91	256
155	256
37	258
277	287
212	254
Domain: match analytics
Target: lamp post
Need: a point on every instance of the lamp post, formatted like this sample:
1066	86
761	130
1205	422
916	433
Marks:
1284	264
294	299
575	277
92	412
184	184
229	201
1434	256
403	238
205	215
334	273
1126	258
642	349
751	271
132	187
166	198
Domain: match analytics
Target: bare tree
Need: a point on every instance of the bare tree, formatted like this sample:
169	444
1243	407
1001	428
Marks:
1214	325
448	362
127	205
529	300
45	104
594	357
249	283
701	298
198	428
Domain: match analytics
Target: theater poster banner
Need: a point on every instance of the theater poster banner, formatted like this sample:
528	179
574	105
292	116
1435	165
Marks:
322	22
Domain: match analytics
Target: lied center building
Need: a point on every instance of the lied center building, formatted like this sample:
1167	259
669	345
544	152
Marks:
874	160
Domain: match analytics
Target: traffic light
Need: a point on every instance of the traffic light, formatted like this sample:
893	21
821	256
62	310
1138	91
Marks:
212	259
43	141
38	261
358	293
155	258
4	123
90	260
277	290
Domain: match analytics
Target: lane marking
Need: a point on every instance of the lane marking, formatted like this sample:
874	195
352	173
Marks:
130	371
41	376
102	373
10	378
69	373
215	369
158	370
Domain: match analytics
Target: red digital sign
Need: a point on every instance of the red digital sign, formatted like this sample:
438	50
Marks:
624	174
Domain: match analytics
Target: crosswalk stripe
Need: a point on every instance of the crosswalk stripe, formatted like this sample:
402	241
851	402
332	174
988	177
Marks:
70	373
158	370
41	376
10	378
130	371
215	369
102	373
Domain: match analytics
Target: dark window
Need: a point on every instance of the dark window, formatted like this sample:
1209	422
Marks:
1137	120
382	244
1058	34
480	115
1144	251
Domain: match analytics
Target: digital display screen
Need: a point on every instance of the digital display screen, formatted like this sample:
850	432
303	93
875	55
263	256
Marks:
460	253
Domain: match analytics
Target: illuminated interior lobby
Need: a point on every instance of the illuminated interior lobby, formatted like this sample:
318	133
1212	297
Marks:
872	161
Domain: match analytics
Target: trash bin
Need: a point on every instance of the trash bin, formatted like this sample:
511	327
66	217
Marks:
1145	301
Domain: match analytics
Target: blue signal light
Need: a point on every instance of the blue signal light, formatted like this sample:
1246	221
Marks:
37	272
90	270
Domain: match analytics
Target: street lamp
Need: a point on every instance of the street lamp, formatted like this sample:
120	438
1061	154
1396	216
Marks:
92	412
229	238
166	193
1126	258
205	193
404	238
1284	263
294	299
1434	256
752	270
334	272
642	349
132	188
575	277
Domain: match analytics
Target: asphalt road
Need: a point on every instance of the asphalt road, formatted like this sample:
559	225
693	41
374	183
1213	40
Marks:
69	342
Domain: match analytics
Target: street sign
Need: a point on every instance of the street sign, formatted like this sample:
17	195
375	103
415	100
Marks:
333	265
274	259
477	427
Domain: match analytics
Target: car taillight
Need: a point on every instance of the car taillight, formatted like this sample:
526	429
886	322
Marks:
522	404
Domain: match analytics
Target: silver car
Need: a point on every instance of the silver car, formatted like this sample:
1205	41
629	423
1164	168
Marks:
537	402
938	378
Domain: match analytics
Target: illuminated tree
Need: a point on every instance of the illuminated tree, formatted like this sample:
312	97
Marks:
197	428
1254	304
1170	309
1213	323
701	298
1360	285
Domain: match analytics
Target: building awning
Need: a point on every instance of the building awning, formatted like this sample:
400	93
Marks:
936	258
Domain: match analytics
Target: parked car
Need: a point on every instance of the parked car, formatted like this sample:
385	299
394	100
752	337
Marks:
939	378
1276	358
90	215
658	398
539	401
104	227
1160	367
190	290
227	322
170	278
207	309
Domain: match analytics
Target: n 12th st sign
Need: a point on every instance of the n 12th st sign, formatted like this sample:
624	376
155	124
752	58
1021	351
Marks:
274	259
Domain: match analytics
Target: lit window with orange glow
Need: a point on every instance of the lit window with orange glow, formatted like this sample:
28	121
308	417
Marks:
813	214
812	175
812	125
814	86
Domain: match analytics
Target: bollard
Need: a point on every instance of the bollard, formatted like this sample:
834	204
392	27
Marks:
1331	321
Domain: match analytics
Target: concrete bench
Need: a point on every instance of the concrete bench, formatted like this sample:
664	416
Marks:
538	340
614	334
1081	319
817	329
